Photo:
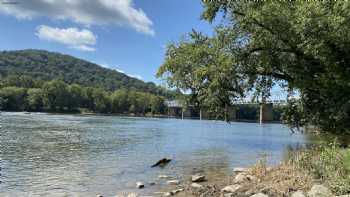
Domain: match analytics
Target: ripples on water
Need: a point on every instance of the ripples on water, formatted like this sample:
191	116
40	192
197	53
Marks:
45	155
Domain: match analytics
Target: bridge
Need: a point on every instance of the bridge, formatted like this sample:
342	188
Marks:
277	97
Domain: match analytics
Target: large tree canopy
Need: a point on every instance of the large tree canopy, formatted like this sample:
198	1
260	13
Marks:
304	45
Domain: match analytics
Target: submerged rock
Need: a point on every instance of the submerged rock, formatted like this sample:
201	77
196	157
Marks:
198	178
231	188
173	182
239	170
161	163
140	185
163	176
319	191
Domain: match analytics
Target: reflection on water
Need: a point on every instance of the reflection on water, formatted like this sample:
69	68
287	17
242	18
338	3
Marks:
43	155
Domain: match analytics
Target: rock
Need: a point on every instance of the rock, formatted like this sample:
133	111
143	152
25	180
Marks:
239	170
98	195
163	176
260	195
198	178
231	188
196	185
319	191
167	194
161	163
140	185
229	195
133	195
152	183
298	194
173	182
240	178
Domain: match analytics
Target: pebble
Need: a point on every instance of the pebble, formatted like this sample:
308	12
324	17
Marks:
196	185
198	178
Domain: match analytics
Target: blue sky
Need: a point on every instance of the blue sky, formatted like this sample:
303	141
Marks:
128	35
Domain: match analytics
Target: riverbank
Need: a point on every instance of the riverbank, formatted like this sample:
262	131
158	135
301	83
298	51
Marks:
322	171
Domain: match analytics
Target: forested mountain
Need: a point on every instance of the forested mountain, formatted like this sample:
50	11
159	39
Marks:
45	66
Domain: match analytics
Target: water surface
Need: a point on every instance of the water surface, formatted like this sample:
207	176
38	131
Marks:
56	155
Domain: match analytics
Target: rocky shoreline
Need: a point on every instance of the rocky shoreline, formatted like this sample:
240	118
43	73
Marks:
258	181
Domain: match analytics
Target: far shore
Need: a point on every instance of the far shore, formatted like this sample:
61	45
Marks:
140	115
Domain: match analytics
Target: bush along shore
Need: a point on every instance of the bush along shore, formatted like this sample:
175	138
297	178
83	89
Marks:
320	171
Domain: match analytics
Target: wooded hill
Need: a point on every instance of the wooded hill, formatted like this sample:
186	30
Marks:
46	66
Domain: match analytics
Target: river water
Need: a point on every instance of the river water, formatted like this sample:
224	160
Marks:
74	155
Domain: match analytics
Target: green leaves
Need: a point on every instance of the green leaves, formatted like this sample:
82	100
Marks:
299	44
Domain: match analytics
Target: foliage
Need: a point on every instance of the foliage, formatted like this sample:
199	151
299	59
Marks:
300	45
57	96
29	68
13	98
328	163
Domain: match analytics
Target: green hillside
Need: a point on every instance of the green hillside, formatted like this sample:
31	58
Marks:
45	66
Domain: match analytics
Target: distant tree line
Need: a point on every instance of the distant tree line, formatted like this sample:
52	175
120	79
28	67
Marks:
27	94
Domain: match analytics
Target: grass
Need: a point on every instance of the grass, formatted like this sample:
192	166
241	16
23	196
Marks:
328	164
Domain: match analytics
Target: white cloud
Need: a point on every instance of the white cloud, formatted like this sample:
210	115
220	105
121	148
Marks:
72	37
87	12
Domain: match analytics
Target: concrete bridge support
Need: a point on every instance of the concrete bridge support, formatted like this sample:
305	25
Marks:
266	112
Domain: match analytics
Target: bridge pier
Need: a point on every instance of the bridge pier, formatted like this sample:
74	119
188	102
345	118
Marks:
266	112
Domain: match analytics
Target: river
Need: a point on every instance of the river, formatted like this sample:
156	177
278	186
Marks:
74	155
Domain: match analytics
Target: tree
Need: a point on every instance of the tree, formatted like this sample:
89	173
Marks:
13	98
301	45
101	103
119	101
157	104
35	99
76	96
56	95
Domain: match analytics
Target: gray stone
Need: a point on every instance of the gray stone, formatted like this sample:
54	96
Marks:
229	195
259	195
319	191
298	194
196	185
231	188
173	182
98	195
168	194
140	185
133	195
198	178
